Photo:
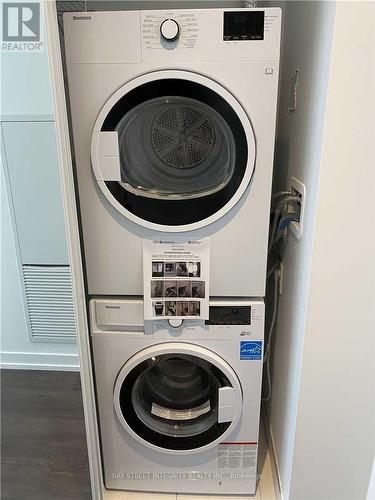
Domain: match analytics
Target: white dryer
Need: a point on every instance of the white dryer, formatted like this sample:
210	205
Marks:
173	116
179	407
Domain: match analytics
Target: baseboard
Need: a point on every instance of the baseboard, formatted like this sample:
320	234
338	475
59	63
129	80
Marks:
273	456
39	361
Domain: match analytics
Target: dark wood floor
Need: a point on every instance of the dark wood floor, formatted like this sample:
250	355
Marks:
43	446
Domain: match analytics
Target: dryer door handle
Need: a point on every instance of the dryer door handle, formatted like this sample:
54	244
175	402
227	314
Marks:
227	409
108	156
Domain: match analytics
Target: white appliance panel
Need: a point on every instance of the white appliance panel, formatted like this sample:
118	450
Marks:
238	240
129	464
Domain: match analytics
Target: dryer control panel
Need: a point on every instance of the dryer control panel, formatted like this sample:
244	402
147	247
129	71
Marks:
209	34
173	36
169	30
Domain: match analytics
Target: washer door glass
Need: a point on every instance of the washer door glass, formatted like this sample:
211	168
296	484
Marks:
175	148
173	151
172	401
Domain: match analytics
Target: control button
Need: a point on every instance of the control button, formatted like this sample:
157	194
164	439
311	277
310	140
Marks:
170	30
175	323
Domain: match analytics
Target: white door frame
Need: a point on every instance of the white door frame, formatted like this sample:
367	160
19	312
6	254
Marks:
74	247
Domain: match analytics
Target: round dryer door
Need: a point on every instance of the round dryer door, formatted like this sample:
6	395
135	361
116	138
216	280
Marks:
173	150
178	398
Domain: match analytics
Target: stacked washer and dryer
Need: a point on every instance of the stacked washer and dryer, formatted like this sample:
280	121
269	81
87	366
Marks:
173	118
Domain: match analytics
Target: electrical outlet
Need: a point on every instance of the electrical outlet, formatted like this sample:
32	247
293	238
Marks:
298	189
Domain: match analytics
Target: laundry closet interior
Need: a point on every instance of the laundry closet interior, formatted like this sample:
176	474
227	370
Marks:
197	144
197	132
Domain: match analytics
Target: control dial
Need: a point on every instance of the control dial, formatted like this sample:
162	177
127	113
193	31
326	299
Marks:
175	323
170	30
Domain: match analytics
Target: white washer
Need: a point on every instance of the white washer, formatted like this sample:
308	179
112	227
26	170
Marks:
173	116
179	406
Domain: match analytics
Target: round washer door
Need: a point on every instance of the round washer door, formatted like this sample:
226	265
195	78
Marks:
173	150
177	398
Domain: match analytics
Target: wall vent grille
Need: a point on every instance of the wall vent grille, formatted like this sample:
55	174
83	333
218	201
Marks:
50	306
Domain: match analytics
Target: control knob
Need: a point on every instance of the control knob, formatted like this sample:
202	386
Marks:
175	323
170	30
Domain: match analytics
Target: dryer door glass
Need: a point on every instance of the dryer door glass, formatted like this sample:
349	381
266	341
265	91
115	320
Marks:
172	401
184	151
175	148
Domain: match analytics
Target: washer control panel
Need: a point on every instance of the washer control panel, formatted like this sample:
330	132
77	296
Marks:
239	319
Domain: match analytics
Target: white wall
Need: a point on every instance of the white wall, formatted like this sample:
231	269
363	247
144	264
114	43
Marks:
16	349
25	85
26	104
307	40
335	433
322	408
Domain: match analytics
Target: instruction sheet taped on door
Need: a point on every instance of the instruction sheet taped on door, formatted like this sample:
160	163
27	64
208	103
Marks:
176	279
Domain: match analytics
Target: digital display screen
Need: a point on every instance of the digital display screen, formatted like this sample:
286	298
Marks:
243	25
228	315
